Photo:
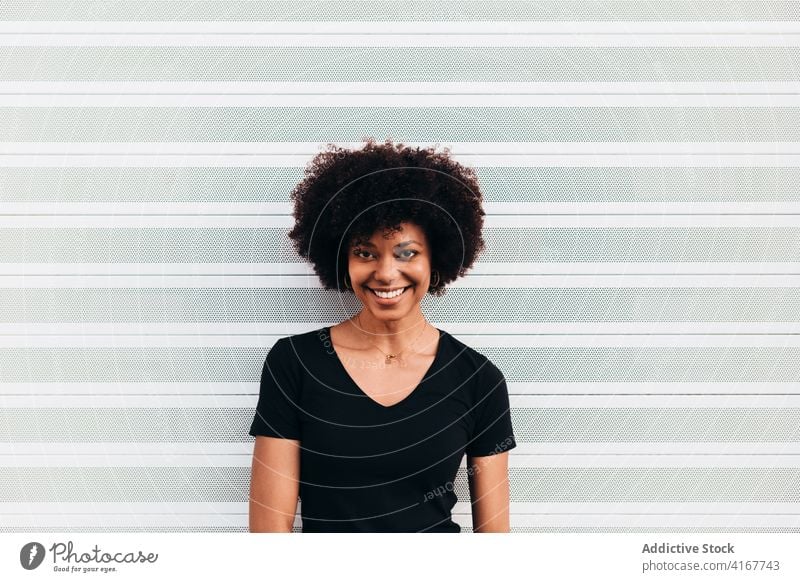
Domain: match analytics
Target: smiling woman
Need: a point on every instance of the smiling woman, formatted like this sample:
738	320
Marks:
368	420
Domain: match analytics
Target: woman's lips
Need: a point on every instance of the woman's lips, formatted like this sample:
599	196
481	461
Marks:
390	301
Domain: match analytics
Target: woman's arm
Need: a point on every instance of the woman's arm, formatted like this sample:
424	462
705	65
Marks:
274	484
489	493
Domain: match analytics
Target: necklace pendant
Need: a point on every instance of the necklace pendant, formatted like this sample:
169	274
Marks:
390	357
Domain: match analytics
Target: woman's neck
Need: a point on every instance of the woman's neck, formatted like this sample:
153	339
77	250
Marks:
390	336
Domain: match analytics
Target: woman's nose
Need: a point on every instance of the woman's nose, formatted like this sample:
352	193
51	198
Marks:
386	268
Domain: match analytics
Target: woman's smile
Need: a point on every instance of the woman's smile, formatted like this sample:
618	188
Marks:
387	298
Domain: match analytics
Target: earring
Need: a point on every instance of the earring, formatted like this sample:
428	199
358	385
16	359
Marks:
346	281
438	279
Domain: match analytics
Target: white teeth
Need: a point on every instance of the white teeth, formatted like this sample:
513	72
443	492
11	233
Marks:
389	295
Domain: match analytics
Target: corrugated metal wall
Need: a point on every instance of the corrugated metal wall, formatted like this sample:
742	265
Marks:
640	289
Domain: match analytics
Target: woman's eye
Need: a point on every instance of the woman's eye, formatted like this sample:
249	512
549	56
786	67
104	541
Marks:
361	252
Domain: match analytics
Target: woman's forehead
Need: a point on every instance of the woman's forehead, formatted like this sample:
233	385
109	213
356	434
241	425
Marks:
410	233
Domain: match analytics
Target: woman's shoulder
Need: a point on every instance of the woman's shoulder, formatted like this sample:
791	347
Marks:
475	360
476	369
294	353
304	342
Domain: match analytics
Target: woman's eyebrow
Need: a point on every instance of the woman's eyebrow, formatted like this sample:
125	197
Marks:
402	244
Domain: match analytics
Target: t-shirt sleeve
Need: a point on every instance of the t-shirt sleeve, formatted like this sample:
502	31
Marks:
278	407
493	432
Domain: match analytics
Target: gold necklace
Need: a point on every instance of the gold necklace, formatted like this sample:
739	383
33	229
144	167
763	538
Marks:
391	357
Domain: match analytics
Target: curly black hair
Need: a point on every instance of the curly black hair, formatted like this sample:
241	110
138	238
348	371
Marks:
348	195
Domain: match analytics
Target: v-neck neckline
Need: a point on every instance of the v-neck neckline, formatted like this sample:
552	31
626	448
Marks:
410	394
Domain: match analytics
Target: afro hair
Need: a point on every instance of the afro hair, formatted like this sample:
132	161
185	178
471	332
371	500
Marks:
348	195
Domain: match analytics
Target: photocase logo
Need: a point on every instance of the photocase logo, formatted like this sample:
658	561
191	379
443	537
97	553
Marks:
31	555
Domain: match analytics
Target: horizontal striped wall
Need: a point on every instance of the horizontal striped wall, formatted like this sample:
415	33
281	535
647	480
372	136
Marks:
640	163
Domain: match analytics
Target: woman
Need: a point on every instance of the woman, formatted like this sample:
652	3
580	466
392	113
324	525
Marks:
368	420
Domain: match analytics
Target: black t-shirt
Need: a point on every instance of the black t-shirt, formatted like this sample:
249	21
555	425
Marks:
365	467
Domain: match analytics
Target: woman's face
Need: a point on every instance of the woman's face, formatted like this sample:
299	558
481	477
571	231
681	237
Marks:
402	261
